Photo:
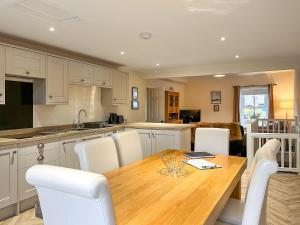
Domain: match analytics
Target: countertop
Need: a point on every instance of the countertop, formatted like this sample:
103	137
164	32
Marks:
70	133
159	126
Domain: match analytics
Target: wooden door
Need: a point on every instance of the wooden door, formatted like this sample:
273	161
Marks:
120	87
2	75
80	73
25	63
8	177
102	77
57	80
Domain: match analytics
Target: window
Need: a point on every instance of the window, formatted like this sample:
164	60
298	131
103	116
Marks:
253	104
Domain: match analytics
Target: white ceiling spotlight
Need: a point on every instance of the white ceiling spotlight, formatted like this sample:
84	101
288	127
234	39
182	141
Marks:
52	29
237	56
220	75
122	53
157	64
145	35
223	39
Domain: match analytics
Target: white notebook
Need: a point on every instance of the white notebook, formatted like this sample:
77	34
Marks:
202	164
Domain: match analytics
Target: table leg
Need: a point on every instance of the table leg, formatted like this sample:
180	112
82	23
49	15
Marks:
237	191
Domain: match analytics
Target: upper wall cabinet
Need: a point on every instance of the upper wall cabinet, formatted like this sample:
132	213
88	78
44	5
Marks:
118	95
53	90
102	77
80	73
2	75
25	63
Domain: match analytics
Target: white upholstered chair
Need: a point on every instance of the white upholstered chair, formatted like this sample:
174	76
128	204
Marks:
237	212
212	140
129	147
72	197
97	155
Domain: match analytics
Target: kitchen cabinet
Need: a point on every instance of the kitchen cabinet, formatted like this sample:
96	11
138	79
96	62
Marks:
8	177
28	156
54	89
25	63
102	77
69	158
2	75
154	141
80	73
118	95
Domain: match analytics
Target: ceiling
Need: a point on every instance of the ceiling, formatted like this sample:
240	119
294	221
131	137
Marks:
184	32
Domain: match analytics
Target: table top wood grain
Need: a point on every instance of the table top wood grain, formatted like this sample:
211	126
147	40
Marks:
142	196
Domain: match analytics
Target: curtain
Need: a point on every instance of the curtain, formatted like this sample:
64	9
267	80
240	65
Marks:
236	103
271	101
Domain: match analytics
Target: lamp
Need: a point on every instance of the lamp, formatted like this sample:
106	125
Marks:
287	105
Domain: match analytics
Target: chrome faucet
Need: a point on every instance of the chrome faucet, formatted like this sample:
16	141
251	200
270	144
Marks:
79	113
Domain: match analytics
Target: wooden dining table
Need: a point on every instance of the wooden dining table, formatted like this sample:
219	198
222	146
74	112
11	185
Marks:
143	196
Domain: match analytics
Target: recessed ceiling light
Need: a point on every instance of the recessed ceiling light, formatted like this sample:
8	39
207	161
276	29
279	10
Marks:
157	64
52	29
145	35
220	75
237	56
223	39
122	53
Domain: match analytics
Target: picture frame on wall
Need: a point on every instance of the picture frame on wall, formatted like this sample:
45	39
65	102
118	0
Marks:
134	93
135	105
215	97
216	108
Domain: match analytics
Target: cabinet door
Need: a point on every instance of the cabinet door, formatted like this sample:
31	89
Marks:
146	141
120	87
57	80
69	157
164	140
8	177
102	77
2	75
25	63
80	73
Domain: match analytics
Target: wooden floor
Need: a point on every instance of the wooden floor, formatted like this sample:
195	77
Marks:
283	202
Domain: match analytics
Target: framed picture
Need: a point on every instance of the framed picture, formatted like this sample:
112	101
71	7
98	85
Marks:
135	105
134	93
215	97
216	108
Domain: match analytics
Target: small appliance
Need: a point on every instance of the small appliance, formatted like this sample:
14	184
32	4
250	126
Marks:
113	118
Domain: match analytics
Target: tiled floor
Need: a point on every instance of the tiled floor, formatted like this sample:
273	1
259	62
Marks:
283	202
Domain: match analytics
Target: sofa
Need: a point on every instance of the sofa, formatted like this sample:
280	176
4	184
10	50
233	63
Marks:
237	145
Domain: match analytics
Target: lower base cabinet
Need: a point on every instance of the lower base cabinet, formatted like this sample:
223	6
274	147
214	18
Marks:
154	141
28	156
8	177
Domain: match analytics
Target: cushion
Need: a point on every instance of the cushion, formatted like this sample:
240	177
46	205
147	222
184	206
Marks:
233	212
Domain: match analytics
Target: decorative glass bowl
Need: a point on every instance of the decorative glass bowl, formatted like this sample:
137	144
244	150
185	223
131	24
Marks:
174	165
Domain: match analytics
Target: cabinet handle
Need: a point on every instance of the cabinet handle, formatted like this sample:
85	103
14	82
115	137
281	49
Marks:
149	135
40	158
153	136
1	94
12	161
115	99
27	72
103	83
50	96
114	131
68	142
40	145
82	80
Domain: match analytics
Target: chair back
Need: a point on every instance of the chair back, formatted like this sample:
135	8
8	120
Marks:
212	140
72	197
263	166
97	155
129	147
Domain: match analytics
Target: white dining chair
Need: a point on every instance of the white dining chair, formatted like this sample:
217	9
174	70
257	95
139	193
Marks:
251	212
72	197
212	140
129	147
97	155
